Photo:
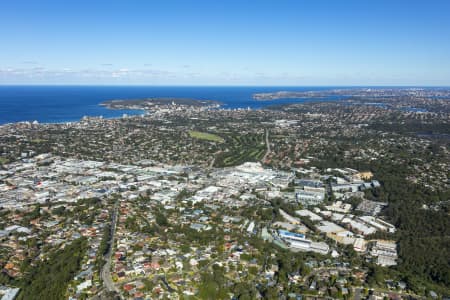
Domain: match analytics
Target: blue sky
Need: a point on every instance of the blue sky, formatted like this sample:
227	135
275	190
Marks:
260	42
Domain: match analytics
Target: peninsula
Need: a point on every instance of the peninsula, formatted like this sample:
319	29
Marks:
148	103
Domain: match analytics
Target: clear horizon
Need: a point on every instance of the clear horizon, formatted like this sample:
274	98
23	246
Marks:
217	85
233	43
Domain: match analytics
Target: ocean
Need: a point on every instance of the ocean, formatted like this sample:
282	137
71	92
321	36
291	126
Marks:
56	104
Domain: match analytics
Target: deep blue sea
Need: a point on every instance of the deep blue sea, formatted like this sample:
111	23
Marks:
54	104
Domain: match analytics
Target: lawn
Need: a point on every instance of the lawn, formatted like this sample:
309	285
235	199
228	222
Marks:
205	136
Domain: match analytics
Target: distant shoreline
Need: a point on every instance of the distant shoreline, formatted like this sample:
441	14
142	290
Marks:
352	93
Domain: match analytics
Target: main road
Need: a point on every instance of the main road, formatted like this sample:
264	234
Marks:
267	145
106	270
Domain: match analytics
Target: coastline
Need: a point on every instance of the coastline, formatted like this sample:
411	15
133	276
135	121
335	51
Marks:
126	112
132	108
59	105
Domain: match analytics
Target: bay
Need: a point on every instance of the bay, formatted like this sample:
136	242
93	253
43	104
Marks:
56	104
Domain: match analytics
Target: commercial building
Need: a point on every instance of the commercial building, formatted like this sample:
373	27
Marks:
307	198
299	241
386	252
